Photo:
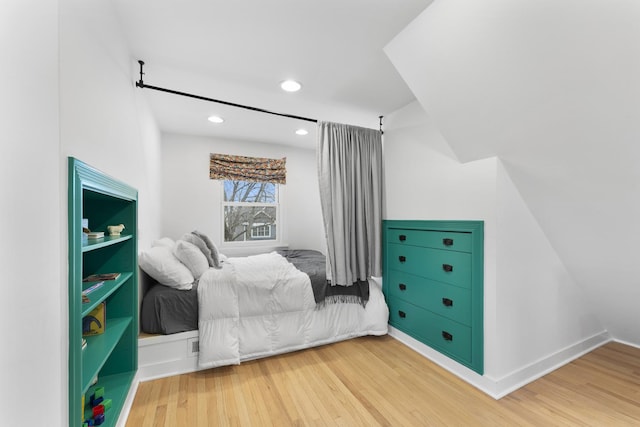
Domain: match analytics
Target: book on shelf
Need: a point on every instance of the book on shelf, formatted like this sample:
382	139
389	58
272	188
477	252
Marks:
101	276
95	234
90	289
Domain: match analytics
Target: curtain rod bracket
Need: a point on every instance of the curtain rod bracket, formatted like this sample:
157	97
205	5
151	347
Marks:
140	83
380	117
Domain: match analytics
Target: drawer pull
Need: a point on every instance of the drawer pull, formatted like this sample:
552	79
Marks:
402	237
447	302
402	258
447	242
402	287
447	336
402	314
447	267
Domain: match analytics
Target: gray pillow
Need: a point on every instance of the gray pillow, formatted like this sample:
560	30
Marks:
212	248
200	244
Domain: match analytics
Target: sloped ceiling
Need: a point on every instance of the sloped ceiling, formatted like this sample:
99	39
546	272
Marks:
553	89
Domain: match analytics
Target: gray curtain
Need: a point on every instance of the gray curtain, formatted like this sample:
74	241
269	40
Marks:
350	175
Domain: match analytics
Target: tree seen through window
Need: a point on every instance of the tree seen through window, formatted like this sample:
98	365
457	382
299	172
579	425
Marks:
250	211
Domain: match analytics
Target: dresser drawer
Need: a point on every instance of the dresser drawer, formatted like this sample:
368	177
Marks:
443	266
446	300
436	331
451	240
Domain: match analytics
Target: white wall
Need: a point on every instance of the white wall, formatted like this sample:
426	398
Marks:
66	84
32	313
561	108
540	307
104	119
533	308
193	201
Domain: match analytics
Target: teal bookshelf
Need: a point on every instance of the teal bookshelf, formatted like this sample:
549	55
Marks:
110	357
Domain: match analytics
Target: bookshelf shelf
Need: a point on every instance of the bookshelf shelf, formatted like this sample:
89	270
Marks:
118	387
92	244
100	347
112	356
100	294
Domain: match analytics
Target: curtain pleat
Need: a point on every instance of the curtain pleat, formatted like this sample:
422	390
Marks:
350	178
242	168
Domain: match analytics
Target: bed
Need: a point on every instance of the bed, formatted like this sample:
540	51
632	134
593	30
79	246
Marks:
262	305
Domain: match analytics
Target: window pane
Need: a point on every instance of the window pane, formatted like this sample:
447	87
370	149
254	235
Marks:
250	192
246	223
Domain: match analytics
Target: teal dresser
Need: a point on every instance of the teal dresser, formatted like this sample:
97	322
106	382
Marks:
433	282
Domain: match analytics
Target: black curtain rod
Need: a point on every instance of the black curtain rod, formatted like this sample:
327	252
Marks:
140	83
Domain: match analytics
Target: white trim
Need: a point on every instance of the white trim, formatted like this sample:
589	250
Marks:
500	387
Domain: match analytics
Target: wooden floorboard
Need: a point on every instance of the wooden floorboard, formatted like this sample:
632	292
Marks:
378	381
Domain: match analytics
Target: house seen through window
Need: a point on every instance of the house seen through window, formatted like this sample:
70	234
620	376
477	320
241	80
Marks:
250	211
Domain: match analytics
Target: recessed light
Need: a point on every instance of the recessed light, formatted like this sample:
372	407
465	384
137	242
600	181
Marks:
215	119
290	86
302	132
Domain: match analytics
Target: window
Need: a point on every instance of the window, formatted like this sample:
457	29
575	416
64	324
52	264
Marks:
250	211
261	231
250	206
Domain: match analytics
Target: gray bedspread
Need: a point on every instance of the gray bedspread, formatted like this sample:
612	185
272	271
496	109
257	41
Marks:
314	264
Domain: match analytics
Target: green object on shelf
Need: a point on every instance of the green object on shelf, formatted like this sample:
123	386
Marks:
112	357
98	392
107	404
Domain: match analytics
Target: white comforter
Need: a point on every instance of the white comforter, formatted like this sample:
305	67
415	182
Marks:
262	305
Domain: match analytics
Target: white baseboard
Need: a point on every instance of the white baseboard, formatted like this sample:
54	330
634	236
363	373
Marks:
630	344
500	387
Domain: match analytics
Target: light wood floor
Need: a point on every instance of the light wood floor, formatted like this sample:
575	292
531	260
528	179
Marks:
377	381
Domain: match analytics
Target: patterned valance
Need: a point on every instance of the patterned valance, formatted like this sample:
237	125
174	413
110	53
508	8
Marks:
254	169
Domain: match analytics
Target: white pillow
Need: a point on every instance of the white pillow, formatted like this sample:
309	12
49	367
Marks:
191	257
160	263
165	241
